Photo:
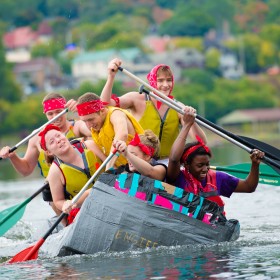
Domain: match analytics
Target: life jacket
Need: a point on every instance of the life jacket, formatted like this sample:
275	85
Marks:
166	128
74	176
42	164
209	191
104	138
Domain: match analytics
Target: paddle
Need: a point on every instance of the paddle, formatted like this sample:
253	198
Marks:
9	217
267	175
31	253
237	140
37	131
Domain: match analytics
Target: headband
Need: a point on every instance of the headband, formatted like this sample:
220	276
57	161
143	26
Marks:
148	150
194	148
54	103
43	134
90	107
152	78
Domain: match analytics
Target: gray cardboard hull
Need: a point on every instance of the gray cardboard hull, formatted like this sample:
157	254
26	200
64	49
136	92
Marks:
110	220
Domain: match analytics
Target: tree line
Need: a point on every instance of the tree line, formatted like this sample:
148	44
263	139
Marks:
254	26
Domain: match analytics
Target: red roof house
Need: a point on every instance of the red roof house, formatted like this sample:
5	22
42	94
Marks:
22	37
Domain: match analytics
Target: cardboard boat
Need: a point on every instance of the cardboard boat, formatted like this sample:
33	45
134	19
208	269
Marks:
129	211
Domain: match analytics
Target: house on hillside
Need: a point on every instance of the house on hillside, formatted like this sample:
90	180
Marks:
19	41
230	67
156	44
253	121
179	59
38	75
92	66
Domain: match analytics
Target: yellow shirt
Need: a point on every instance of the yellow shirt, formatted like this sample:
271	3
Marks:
104	138
75	177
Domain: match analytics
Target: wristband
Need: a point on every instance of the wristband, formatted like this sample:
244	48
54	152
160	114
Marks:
116	99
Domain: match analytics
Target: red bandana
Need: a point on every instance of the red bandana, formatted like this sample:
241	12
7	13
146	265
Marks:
148	150
152	78
90	107
194	148
44	132
53	104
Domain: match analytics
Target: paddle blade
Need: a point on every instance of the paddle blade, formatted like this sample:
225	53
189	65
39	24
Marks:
28	254
270	151
267	175
9	217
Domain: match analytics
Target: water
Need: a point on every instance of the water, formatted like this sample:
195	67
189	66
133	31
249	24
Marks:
256	255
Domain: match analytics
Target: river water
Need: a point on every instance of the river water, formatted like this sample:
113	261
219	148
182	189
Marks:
255	255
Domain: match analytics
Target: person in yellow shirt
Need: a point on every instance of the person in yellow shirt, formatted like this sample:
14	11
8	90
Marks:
107	124
165	122
71	166
53	104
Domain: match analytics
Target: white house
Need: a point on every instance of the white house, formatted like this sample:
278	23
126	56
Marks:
92	66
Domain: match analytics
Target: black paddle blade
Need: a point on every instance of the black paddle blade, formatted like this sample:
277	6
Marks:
269	150
275	164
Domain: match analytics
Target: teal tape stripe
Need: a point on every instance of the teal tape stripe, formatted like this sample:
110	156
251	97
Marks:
176	206
154	198
122	179
190	198
178	192
185	210
158	185
198	208
134	185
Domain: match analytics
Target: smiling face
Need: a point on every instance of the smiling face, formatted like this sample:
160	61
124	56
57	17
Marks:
135	150
61	121
94	121
56	142
199	166
164	82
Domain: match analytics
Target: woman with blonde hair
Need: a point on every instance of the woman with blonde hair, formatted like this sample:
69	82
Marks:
140	153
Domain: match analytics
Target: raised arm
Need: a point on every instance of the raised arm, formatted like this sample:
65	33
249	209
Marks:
251	182
106	93
178	146
195	129
125	101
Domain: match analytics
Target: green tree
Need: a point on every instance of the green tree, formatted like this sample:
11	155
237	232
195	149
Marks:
50	49
271	33
65	8
10	90
212	60
199	77
274	12
25	115
187	22
188	42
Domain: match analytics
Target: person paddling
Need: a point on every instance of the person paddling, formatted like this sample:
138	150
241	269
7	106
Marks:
107	124
189	168
151	114
53	104
71	166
